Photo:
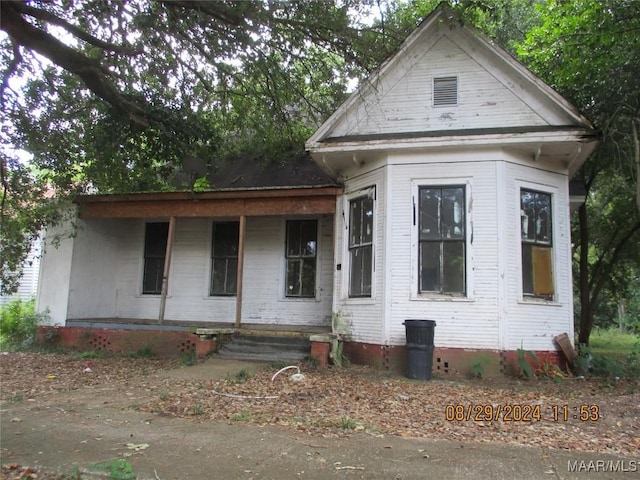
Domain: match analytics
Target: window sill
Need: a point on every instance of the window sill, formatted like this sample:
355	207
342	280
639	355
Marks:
440	298
539	301
358	300
299	299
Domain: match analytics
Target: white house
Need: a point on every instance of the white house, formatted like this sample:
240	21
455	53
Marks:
28	286
446	198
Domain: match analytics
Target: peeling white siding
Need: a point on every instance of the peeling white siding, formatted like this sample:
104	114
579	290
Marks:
470	322
493	314
106	276
532	325
55	271
403	101
362	317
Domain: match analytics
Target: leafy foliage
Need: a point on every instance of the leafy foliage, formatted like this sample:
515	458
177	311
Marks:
111	96
18	323
525	359
118	98
605	89
24	210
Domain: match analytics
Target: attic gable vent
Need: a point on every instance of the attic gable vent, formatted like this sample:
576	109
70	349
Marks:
445	91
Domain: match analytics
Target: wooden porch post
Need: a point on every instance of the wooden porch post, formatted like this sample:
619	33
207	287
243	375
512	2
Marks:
243	221
165	272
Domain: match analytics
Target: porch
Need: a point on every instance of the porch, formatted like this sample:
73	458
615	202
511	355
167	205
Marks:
288	343
199	328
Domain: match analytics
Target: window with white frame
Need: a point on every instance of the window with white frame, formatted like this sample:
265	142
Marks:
442	240
301	252
224	258
360	246
155	248
537	244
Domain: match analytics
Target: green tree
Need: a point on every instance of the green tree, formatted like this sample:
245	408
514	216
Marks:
118	92
24	210
111	95
590	52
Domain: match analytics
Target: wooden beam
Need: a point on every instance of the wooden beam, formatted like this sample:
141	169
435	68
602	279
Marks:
241	235
165	272
211	208
216	195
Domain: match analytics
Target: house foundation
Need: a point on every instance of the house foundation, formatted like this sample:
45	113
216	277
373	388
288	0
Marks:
390	358
161	343
454	361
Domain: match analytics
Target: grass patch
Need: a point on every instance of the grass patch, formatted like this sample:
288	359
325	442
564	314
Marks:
144	352
240	417
240	377
612	342
117	469
611	355
90	354
347	423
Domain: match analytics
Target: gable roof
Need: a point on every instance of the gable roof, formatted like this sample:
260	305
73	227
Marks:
500	99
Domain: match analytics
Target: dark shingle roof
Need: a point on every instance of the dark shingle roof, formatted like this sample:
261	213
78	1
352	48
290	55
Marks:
294	171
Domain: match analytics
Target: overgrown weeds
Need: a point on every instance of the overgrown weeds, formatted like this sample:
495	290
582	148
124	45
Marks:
18	324
117	469
240	377
188	358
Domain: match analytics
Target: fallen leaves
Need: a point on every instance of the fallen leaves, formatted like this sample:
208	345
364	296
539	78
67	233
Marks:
341	401
14	471
337	402
27	375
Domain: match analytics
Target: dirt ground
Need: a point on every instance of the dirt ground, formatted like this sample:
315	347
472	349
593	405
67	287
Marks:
227	419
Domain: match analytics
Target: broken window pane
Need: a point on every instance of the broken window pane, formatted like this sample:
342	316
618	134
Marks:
224	258
155	247
430	213
537	251
430	267
301	258
361	246
442	237
453	266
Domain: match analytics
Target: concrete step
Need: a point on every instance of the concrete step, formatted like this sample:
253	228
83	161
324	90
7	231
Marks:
269	348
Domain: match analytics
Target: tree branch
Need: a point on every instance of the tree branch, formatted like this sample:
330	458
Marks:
604	276
90	71
212	9
75	31
11	69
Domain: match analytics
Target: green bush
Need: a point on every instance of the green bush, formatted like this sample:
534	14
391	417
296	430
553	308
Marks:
611	366
18	323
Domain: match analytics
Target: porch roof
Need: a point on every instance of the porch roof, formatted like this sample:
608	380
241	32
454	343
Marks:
258	201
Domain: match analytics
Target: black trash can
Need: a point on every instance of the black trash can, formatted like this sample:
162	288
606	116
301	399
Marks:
419	348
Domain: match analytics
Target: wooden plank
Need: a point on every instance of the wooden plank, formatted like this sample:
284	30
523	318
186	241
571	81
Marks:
567	349
542	271
311	205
